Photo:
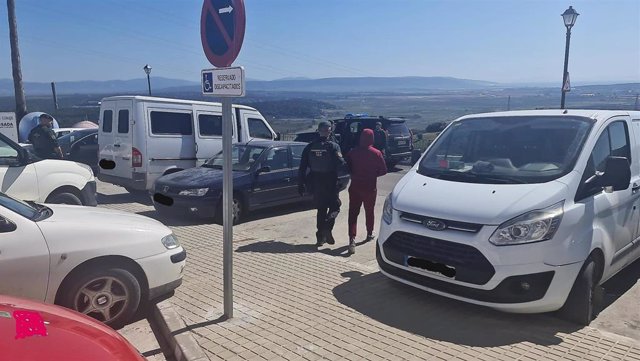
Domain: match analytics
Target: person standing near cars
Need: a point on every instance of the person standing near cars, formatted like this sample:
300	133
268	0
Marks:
44	139
366	164
379	138
324	159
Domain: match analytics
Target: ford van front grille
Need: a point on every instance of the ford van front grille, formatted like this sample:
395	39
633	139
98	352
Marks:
449	224
469	263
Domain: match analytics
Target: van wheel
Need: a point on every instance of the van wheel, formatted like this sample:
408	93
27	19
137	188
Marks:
584	298
237	211
64	198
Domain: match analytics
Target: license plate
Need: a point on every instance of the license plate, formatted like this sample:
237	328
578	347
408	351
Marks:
434	267
402	142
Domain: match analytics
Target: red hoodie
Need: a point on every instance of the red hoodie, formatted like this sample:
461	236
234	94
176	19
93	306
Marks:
365	163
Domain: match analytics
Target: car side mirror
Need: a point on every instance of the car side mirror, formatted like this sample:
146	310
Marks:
616	175
265	169
6	226
22	159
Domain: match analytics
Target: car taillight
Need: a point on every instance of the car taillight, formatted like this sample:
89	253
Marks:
136	158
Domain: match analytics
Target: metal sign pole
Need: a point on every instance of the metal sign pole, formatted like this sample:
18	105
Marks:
227	207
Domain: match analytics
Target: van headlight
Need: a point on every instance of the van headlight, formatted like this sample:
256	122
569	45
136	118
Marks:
534	226
198	192
170	241
387	210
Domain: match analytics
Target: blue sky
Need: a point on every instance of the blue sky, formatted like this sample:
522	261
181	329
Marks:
499	40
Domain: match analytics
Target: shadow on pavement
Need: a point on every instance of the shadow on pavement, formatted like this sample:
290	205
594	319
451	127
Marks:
176	220
619	284
274	246
439	318
122	198
278	211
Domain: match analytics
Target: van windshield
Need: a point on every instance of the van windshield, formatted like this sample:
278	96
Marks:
507	150
244	157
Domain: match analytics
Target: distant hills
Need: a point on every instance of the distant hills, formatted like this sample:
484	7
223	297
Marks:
161	85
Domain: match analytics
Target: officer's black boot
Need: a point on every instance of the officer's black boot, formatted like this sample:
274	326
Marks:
329	237
319	239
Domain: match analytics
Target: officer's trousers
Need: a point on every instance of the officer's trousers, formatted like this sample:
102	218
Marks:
358	197
325	196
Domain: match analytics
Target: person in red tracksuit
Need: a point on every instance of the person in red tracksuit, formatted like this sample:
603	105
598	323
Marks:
366	164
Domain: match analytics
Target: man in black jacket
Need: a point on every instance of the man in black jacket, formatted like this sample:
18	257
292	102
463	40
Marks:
44	140
323	159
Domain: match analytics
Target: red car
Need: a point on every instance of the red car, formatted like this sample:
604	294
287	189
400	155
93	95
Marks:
36	331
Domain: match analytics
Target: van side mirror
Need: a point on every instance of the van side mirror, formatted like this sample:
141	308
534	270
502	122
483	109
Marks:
616	175
6	226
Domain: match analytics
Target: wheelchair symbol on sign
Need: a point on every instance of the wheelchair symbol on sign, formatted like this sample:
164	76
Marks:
207	83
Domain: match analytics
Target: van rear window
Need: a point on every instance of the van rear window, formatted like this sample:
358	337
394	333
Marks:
398	128
107	121
169	123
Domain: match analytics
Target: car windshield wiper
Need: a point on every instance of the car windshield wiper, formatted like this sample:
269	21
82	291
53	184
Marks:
42	211
476	177
214	166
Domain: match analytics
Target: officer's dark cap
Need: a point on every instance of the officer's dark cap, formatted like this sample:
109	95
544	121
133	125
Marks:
46	116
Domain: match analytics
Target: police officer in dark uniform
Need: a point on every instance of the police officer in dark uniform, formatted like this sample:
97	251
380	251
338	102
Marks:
44	140
324	159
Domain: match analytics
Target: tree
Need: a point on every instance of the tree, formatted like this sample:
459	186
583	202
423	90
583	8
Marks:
18	87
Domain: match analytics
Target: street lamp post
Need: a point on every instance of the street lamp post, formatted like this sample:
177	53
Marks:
569	17
147	69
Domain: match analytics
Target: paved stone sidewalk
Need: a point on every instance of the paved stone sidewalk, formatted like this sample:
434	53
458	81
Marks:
293	303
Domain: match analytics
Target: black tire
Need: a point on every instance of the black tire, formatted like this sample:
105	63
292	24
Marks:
64	198
123	284
238	211
583	301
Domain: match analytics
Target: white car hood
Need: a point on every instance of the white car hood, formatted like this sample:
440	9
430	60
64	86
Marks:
95	216
488	204
71	228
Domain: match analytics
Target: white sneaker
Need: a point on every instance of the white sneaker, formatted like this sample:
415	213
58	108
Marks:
352	246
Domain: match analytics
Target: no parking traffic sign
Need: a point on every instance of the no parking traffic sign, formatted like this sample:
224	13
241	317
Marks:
222	26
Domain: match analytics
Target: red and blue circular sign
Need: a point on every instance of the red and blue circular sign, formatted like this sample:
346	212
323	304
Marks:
222	30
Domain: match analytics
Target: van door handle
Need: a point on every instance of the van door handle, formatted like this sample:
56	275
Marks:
117	145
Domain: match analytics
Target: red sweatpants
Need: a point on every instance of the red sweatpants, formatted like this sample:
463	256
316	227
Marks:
356	199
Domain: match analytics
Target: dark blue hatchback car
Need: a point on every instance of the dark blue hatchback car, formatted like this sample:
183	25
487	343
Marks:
265	174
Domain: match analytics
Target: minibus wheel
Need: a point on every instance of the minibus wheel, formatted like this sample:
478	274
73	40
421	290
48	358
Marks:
583	300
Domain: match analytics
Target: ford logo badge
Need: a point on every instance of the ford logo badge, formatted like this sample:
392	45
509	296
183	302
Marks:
434	224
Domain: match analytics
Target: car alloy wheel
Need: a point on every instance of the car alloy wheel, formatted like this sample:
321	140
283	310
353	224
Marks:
104	298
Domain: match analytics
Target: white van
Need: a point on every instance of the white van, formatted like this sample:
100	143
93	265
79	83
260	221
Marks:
524	211
143	138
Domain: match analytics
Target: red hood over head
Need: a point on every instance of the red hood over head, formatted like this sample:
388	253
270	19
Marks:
366	138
